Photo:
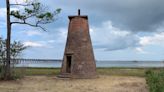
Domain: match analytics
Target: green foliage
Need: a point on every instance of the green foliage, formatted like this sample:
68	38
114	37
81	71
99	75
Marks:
15	49
36	11
1	72
36	6
2	48
17	14
58	10
29	11
155	80
13	76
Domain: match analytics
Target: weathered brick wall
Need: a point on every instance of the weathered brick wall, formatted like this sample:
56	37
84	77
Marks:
80	47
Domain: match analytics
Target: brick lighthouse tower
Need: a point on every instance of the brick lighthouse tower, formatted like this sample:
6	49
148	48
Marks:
78	60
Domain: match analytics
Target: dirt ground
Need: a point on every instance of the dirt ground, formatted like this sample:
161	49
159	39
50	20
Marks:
52	84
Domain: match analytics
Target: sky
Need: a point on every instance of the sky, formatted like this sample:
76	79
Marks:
119	29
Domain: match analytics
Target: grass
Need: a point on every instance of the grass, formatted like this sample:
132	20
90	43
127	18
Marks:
154	76
155	80
101	71
121	71
37	71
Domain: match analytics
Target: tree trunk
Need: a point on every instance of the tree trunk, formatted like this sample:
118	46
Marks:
7	65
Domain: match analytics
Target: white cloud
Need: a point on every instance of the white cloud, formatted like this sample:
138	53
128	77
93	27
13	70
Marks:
33	33
33	44
18	1
140	50
59	35
111	38
156	39
63	32
40	44
51	41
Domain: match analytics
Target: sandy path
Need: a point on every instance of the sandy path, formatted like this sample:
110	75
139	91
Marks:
52	84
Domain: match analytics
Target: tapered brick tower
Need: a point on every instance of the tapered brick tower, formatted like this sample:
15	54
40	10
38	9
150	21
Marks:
78	60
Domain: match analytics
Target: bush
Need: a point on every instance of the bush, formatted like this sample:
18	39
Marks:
155	80
13	76
0	69
1	72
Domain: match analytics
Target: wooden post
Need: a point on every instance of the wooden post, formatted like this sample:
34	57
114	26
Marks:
7	65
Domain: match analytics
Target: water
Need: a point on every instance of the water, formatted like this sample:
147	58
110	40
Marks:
137	64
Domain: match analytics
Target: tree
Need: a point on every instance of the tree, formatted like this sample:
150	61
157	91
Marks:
2	49
32	10
16	49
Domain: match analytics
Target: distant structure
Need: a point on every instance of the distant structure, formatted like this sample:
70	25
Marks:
78	60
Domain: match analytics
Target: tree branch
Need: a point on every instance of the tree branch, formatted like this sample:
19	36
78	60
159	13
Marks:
25	23
20	4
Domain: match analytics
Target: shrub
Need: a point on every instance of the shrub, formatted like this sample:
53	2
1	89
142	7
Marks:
14	75
155	80
1	72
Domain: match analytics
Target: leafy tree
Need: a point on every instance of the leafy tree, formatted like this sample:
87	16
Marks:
16	49
2	48
33	10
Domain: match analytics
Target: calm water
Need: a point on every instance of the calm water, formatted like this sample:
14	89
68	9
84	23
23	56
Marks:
99	64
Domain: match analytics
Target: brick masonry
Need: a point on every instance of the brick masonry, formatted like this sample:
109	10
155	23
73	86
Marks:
78	60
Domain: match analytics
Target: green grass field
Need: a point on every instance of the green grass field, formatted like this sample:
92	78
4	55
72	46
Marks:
100	71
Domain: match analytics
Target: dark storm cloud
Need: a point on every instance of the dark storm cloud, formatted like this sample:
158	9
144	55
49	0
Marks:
134	15
125	15
119	43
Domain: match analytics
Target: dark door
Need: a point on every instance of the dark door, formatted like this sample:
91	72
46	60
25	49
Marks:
69	61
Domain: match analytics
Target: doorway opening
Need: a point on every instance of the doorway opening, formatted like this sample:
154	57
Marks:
68	62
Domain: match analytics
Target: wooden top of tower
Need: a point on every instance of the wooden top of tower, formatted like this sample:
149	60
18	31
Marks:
81	16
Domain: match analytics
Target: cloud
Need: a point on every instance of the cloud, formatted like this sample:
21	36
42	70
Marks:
40	44
156	39
131	15
141	50
58	35
111	38
19	1
51	41
33	33
115	25
33	44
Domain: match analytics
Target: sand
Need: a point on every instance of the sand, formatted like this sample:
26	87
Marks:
104	83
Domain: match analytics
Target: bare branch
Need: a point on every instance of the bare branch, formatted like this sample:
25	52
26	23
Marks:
20	4
25	23
41	28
